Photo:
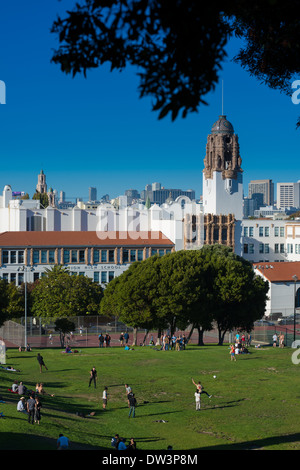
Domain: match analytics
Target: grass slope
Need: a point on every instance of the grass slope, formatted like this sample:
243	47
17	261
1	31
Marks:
255	403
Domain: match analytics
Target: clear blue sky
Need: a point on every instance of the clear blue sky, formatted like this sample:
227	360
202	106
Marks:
98	132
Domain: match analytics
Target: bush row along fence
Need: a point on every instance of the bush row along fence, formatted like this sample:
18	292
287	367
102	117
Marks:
41	333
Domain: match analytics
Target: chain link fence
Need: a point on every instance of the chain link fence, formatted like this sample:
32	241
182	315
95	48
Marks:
41	333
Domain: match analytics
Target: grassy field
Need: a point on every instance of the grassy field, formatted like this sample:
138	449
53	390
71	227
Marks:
255	402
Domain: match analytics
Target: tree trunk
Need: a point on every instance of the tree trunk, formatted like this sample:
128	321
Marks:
190	333
158	336
134	337
221	337
146	334
200	336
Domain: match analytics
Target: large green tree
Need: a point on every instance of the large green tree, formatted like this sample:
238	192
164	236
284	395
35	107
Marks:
238	296
59	294
179	46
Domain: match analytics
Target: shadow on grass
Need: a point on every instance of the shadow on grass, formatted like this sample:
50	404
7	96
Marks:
15	441
256	443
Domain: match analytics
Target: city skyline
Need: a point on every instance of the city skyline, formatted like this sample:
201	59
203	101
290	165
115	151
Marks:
96	132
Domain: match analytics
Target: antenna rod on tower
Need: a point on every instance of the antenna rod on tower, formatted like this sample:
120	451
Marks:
222	100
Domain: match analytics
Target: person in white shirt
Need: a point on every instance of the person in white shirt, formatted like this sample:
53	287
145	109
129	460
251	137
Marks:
104	398
21	405
198	400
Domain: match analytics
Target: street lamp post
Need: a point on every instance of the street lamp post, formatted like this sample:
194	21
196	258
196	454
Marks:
295	278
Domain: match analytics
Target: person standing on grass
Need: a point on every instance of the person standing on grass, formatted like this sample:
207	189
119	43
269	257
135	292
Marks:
104	398
41	362
274	340
232	353
128	392
37	411
198	400
30	409
93	377
132	404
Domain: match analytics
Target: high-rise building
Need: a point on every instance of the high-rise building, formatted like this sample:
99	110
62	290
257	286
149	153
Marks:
288	195
92	194
41	186
264	187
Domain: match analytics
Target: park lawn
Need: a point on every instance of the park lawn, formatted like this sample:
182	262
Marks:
255	403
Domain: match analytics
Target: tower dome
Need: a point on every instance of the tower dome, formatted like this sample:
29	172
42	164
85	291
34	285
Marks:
222	126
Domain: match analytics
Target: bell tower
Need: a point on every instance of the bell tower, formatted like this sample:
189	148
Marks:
222	174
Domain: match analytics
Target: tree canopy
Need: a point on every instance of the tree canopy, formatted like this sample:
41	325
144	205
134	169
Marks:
198	288
179	46
59	294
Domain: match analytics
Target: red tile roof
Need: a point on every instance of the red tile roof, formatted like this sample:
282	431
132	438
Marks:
279	272
86	239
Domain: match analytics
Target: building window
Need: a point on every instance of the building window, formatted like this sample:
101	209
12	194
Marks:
276	232
161	252
81	256
261	248
5	277
96	277
132	256
125	256
282	231
5	257
154	251
251	248
66	256
20	257
267	231
281	247
251	231
289	248
245	231
140	255
96	256
20	278
36	256
276	248
245	247
111	275
103	277
36	276
51	256
103	256
261	231
267	248
74	257
13	257
44	256
111	256
13	278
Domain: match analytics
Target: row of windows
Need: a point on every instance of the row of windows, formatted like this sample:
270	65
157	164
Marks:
102	277
264	231
265	248
78	256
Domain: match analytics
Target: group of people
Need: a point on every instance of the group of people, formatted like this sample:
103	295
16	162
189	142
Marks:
124	338
169	342
119	443
104	340
279	339
31	406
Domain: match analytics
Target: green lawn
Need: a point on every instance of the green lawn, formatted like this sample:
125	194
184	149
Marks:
255	403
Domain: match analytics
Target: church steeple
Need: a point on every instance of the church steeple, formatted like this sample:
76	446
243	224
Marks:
41	186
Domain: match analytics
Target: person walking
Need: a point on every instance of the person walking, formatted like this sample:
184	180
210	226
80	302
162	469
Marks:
274	340
93	377
132	404
41	362
128	392
30	409
126	337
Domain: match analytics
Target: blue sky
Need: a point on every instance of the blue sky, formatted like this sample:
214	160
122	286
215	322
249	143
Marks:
98	132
